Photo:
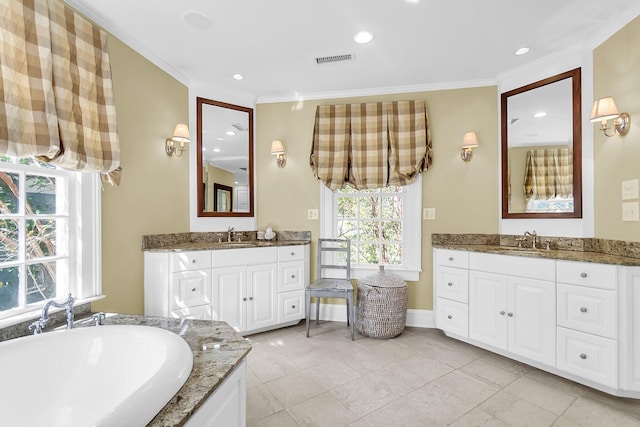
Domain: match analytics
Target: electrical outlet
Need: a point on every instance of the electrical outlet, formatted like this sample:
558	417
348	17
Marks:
429	214
312	214
630	189
630	211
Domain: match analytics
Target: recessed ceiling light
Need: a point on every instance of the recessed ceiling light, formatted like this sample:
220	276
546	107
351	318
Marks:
204	149
238	76
216	150
230	133
363	37
197	20
219	139
540	114
522	51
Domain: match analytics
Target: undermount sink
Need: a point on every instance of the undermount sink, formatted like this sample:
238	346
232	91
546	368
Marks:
521	251
236	245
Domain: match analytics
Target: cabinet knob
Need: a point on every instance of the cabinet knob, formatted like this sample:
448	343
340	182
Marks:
293	253
583	275
583	356
502	313
449	284
193	261
510	314
244	299
449	317
193	290
250	298
293	276
583	309
450	258
293	306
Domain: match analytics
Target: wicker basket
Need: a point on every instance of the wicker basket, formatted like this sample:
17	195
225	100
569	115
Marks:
381	305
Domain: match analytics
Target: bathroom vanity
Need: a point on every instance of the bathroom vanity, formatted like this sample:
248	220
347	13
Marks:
252	285
570	312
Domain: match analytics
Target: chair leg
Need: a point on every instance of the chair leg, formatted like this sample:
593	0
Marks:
317	310
347	299
353	318
307	309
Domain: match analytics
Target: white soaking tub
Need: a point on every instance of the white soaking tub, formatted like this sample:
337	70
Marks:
118	375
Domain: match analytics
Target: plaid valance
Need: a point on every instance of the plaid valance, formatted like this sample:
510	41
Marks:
370	145
548	173
57	96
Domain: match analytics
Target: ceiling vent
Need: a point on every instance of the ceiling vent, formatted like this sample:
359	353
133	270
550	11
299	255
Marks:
347	57
240	127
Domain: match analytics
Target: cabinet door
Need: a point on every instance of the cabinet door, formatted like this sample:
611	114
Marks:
488	308
262	304
229	285
532	319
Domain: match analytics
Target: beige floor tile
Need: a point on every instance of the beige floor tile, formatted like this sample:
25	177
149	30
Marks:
545	396
273	367
295	388
279	419
438	404
360	423
563	422
478	418
619	403
466	387
332	373
450	357
323	410
401	414
397	380
588	412
252	379
490	373
426	368
506	363
517	412
364	395
561	384
261	403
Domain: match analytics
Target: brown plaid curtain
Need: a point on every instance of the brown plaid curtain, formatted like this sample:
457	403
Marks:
370	145
548	173
57	96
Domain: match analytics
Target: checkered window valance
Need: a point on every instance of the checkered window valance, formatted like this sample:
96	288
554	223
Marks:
55	81
370	145
548	173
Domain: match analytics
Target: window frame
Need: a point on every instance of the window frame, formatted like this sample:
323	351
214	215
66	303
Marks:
411	240
83	237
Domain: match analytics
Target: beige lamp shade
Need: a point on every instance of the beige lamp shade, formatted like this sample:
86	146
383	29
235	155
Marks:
181	133
276	147
470	140
603	109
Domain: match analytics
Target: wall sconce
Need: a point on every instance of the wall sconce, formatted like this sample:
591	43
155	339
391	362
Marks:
605	109
278	150
180	135
469	141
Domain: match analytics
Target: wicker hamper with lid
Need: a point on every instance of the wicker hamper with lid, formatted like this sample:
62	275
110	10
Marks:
381	305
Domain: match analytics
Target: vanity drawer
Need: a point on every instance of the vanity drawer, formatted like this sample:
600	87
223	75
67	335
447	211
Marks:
190	260
588	356
453	284
190	289
290	276
601	276
291	253
290	306
452	317
451	258
587	309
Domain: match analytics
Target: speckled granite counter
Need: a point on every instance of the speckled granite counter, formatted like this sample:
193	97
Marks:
210	366
218	241
563	248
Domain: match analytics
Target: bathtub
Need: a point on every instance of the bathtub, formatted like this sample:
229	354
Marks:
119	375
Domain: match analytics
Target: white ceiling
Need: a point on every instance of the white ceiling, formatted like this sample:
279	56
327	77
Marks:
416	42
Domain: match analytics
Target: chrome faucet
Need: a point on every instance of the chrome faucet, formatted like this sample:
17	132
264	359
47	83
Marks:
534	236
40	324
230	233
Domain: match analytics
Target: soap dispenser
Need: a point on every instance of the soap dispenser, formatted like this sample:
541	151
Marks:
269	234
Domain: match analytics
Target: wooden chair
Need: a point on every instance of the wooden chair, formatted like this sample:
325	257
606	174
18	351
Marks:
325	286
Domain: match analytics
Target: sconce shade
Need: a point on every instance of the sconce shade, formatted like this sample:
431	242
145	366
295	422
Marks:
181	133
603	109
470	140
276	147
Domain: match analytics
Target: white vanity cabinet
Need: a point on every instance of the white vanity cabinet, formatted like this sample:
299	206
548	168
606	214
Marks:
252	289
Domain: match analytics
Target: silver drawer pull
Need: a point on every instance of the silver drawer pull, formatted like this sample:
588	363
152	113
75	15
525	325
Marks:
244	299
293	276
293	306
583	275
193	290
250	298
193	261
510	314
449	317
449	284
583	309
583	356
293	253
450	258
502	313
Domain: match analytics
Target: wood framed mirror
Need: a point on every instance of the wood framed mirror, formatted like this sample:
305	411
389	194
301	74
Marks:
541	149
224	147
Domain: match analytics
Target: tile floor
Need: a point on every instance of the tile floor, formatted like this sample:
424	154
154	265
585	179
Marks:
420	378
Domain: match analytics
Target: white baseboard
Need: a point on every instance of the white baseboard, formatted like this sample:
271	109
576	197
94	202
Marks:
338	313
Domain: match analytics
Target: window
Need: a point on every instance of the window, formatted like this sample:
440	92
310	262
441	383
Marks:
383	226
42	255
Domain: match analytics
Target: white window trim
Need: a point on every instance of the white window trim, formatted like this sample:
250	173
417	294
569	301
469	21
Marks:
85	242
411	242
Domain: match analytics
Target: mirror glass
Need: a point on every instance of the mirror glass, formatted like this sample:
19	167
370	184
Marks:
224	159
542	149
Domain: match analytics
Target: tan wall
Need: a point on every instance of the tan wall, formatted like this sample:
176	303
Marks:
153	197
465	195
218	176
616	67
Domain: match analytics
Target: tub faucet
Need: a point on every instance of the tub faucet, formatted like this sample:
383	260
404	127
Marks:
40	324
533	236
230	231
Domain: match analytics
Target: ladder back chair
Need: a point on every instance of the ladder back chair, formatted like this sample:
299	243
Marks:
333	254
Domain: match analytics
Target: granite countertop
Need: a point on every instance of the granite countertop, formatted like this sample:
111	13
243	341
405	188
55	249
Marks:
207	246
569	249
204	241
210	365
